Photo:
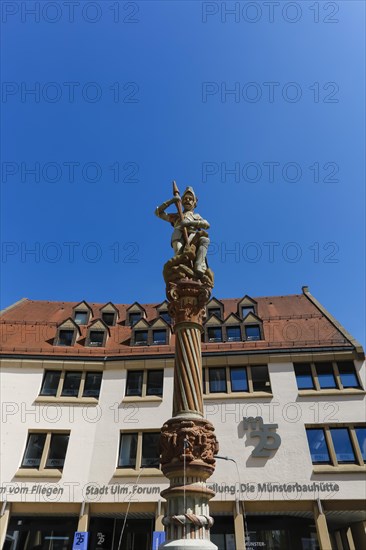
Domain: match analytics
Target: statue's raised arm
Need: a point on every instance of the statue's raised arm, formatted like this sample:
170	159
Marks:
189	239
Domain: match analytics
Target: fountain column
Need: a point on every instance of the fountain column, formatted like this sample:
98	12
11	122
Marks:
188	442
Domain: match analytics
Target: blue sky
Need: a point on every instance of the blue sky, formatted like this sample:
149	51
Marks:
261	110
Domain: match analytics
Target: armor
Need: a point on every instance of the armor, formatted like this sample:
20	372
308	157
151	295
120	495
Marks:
194	229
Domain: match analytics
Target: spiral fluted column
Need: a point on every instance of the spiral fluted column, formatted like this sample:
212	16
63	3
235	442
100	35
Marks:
188	442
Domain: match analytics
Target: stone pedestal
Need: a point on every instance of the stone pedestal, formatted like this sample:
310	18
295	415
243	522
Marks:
188	442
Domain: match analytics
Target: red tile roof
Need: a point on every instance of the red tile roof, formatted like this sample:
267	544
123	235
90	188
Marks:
289	322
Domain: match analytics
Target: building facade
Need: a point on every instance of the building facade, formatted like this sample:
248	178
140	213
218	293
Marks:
85	389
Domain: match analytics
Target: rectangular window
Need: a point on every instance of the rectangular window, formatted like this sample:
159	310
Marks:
347	373
65	337
134	317
96	338
217	380
108	318
155	382
325	375
134	382
342	445
50	382
260	378
233	334
245	310
303	375
139	450
159	336
318	446
361	438
239	379
336	445
34	449
57	452
92	384
128	450
214	311
252	332
252	378
45	450
214	334
141	337
71	384
81	317
150	450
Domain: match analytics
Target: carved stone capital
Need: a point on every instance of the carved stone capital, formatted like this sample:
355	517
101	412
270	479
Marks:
188	441
187	301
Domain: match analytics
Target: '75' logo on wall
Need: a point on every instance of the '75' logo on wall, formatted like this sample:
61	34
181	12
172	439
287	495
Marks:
269	440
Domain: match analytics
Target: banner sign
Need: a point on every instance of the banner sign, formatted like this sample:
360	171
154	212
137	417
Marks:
158	539
80	541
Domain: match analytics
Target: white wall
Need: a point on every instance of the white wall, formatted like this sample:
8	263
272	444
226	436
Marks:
93	446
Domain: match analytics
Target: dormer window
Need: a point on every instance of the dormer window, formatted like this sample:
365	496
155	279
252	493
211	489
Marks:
65	337
214	311
247	306
81	317
252	332
67	333
109	314
165	315
134	317
109	318
214	334
245	310
233	333
97	334
96	338
141	337
215	307
159	336
82	313
134	313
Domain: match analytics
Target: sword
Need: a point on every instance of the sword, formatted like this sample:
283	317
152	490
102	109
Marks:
180	211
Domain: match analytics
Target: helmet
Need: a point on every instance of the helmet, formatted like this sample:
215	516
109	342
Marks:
190	190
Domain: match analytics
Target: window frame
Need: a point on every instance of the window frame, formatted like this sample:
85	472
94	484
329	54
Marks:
73	339
153	343
248	306
336	374
114	313
214	340
131	314
126	470
61	384
228	327
212	310
166	313
334	463
144	388
89	342
229	391
252	324
84	312
42	468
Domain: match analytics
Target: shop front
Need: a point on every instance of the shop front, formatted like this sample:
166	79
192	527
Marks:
40	533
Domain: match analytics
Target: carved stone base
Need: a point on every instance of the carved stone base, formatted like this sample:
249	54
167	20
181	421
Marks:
188	447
